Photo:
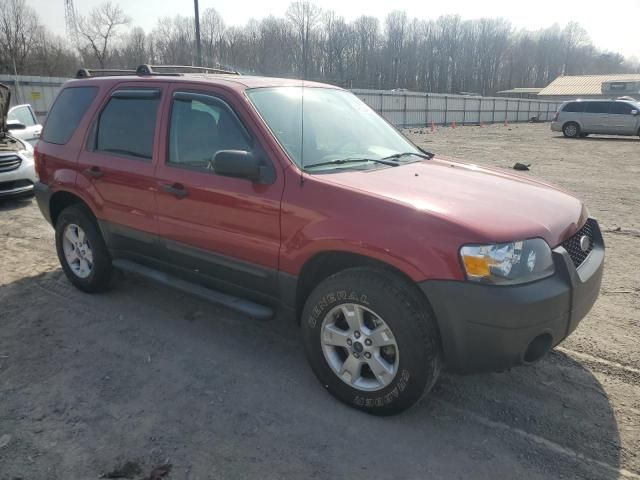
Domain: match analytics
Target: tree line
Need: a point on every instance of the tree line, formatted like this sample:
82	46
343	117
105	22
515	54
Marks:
446	54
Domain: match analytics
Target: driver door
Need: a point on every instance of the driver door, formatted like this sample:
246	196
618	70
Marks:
223	228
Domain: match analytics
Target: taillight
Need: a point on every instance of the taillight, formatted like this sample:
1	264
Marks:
555	117
38	160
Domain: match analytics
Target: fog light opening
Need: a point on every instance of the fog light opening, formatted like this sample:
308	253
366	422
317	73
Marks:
538	347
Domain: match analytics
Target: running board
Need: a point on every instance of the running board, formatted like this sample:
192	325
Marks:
246	307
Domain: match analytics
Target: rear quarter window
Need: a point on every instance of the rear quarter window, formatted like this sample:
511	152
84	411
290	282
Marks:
67	111
574	107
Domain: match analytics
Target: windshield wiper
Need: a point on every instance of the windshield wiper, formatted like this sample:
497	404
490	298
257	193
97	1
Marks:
397	156
342	161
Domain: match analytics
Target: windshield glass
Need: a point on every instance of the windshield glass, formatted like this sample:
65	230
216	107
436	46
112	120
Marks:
337	126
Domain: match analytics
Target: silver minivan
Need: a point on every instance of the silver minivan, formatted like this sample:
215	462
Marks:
579	118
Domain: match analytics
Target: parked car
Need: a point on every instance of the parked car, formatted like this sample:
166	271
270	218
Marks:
17	170
24	115
580	118
267	194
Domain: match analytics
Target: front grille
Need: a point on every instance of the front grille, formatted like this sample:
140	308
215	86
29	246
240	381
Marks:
572	244
10	162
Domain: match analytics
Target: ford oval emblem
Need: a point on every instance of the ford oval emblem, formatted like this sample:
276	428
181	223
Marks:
585	243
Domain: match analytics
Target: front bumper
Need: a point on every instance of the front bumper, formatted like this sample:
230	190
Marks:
20	181
489	328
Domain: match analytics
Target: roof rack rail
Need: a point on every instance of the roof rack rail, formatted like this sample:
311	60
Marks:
86	72
145	70
153	69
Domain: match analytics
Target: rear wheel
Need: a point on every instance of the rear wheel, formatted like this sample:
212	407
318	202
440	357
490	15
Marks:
82	251
571	130
371	340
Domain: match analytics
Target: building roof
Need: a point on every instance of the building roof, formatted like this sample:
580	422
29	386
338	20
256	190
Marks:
585	84
531	90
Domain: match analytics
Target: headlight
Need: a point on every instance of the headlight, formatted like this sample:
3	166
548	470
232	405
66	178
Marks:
508	263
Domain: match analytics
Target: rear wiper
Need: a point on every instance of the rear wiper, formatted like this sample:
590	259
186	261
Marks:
396	156
342	161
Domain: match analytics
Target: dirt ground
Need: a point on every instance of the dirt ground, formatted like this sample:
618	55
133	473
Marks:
145	375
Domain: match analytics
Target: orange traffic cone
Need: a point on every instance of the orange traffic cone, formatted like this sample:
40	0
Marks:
453	124
506	124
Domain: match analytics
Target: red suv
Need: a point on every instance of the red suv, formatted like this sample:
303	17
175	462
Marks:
264	194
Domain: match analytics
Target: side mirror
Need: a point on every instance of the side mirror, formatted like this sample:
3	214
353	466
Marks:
15	125
237	163
634	112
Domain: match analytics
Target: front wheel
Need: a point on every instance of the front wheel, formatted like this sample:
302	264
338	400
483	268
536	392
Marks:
371	340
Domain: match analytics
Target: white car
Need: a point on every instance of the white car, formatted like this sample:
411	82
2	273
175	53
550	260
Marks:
17	170
24	115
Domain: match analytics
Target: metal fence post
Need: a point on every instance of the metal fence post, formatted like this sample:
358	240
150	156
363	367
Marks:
464	109
426	110
446	108
404	114
493	112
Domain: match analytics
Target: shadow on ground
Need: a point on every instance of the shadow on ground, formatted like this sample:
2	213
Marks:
148	375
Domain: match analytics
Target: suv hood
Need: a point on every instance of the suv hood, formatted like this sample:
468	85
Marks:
5	98
493	205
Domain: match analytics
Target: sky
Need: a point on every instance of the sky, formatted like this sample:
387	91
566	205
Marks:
614	27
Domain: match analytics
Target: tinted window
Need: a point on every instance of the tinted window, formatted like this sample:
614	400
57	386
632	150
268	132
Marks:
66	113
200	127
574	107
22	115
621	108
597	107
127	126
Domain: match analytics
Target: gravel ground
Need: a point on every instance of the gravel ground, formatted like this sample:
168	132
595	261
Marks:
143	376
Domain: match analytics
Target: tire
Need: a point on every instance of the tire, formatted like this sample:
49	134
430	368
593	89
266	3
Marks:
411	365
76	226
571	130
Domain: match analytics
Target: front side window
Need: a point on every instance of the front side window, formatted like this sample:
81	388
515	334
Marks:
23	115
597	107
201	126
66	113
621	108
127	124
317	125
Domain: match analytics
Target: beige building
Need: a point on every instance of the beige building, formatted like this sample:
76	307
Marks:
592	86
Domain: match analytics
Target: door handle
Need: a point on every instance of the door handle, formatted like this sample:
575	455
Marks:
94	172
176	189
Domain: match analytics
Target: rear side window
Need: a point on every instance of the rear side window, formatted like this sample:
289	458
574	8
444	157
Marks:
22	115
574	107
127	124
621	108
597	107
66	113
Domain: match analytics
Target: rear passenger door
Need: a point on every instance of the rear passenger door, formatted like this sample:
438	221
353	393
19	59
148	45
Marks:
117	164
596	117
621	121
222	228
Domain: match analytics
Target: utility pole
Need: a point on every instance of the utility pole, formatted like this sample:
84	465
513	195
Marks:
198	45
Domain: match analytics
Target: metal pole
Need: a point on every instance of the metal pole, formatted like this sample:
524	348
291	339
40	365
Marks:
198	45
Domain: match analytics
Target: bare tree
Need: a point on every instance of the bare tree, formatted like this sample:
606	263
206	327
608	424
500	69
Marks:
99	29
19	29
304	17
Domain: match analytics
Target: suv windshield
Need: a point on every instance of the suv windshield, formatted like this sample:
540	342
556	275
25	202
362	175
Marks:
336	126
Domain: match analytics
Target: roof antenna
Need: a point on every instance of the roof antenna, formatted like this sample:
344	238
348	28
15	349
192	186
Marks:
302	135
